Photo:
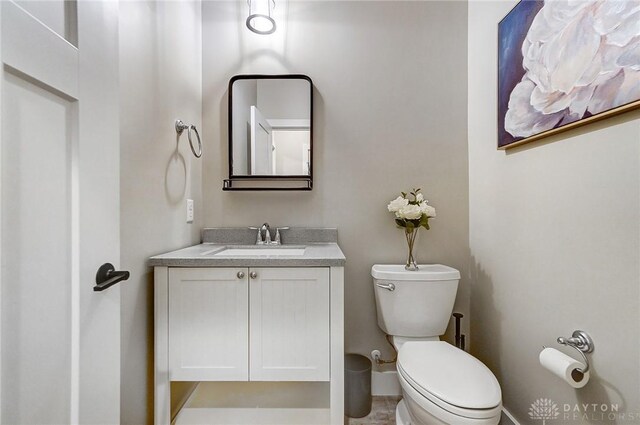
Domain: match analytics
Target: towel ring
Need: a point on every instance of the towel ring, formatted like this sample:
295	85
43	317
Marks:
180	127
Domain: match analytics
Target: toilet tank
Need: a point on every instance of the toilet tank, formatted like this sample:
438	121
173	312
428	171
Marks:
414	303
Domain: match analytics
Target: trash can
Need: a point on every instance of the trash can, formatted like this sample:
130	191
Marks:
357	385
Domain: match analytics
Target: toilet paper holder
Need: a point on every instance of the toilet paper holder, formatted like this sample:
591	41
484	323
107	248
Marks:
582	343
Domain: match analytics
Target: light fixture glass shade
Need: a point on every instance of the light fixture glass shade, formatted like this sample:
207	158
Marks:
259	19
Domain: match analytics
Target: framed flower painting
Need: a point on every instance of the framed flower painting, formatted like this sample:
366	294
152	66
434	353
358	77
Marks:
562	64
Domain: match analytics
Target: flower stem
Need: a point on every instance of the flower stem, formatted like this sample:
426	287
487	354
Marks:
410	235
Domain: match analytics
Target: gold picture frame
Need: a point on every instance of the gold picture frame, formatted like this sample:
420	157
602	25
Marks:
513	33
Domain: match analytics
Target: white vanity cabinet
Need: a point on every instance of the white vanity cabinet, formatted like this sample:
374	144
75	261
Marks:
249	324
208	324
268	335
289	324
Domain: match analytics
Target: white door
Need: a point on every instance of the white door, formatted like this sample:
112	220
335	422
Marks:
289	321
261	144
59	168
208	324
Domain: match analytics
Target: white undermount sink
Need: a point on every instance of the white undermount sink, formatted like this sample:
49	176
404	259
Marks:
258	251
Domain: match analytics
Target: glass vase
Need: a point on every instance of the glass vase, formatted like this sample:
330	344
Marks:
411	234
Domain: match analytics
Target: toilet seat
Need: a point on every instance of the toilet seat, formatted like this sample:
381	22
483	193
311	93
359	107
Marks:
450	379
423	411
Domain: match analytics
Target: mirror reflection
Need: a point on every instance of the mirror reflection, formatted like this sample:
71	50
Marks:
270	132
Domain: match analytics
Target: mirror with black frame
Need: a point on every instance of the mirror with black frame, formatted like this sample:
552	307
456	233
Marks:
270	127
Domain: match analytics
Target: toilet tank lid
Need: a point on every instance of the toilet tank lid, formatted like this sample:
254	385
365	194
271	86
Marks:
430	272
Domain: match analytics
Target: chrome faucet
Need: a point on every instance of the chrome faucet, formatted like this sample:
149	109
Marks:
266	230
267	234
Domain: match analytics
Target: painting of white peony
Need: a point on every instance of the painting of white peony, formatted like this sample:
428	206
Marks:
565	62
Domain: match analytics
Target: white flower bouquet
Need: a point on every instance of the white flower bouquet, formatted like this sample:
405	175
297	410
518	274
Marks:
411	214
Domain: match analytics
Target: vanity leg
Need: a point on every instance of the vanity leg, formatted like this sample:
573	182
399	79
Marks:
337	346
162	384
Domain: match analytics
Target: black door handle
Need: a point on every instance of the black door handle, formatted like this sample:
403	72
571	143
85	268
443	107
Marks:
107	276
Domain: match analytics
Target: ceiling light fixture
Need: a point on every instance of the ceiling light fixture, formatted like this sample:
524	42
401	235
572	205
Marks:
259	19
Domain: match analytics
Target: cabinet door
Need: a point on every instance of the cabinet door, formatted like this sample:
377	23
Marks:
208	324
289	316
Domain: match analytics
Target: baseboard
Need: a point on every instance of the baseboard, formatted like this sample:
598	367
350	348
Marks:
509	417
385	383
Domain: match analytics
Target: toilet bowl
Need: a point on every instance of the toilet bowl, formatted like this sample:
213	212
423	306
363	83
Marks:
440	383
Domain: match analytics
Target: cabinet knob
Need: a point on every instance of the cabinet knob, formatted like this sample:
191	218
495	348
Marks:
253	275
240	275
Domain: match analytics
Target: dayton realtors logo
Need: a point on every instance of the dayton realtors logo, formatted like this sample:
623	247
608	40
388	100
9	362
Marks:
597	412
543	409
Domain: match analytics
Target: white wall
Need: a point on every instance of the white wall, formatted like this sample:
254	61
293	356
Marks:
161	74
389	114
284	99
555	244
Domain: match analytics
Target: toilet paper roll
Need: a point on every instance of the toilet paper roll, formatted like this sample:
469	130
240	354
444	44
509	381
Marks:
564	367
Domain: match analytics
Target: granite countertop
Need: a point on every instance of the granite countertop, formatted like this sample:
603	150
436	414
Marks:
321	249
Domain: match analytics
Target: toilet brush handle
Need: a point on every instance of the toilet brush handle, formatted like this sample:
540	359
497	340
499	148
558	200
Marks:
459	337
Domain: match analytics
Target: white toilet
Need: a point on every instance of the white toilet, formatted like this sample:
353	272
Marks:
441	384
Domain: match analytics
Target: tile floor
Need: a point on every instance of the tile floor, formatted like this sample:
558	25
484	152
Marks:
383	412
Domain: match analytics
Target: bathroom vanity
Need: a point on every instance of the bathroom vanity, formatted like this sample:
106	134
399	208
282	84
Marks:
259	327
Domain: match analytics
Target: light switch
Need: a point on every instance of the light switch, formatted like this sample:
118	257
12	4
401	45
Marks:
189	210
